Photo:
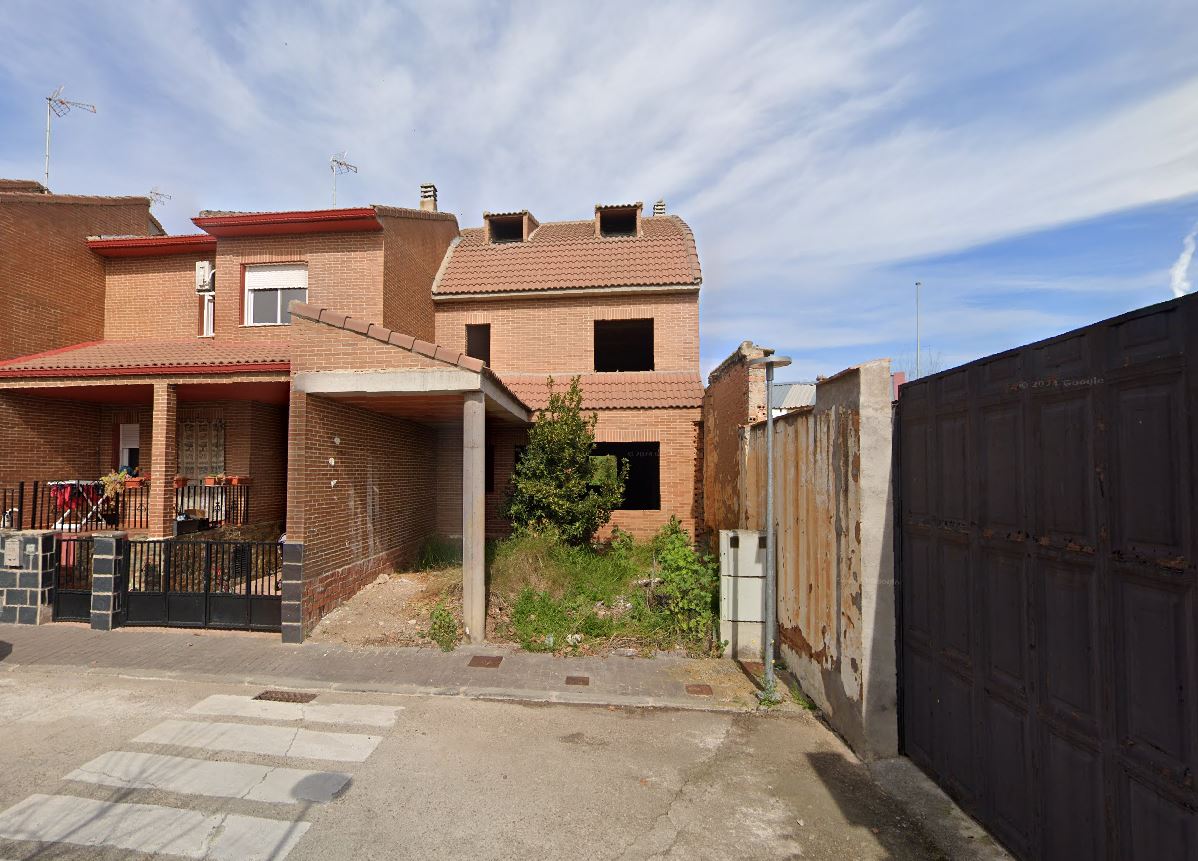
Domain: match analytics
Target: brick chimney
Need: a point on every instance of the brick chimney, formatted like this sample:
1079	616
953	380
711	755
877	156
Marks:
428	197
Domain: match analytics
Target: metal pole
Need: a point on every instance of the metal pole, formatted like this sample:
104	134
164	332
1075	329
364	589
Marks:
918	284
46	181
333	168
770	571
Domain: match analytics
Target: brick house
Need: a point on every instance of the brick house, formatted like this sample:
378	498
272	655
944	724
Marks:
367	374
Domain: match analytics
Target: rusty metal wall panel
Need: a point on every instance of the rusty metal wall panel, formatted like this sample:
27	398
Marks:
1049	640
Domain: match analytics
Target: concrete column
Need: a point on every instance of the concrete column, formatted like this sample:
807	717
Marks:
111	550
163	462
27	566
293	592
474	535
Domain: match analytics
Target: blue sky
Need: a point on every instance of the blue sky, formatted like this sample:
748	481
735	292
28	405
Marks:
1035	166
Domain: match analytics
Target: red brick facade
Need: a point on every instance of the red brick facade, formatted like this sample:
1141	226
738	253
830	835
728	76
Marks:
735	397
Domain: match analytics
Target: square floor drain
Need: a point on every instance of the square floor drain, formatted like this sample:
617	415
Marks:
578	680
699	690
489	662
286	696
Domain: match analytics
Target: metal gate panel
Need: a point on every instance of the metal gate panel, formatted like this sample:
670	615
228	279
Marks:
73	579
1049	636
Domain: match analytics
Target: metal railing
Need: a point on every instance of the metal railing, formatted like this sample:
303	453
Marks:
245	568
75	555
76	506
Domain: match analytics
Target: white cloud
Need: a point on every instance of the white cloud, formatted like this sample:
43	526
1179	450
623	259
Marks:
1179	273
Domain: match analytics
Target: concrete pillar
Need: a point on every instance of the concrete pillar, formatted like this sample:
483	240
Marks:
27	566
110	553
163	462
293	592
474	535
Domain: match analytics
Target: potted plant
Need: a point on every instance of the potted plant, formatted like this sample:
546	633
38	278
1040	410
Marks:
180	481
215	480
114	483
239	479
136	480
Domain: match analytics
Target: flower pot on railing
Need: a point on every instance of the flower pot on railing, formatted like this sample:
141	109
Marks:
215	480
180	481
239	480
135	481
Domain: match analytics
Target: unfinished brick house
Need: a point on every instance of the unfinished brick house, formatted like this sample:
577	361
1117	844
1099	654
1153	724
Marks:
355	379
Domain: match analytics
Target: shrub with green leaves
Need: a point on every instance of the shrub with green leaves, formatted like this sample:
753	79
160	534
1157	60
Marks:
558	487
442	627
689	584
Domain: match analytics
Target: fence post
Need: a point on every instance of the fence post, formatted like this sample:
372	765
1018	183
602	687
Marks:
110	553
20	524
33	510
27	564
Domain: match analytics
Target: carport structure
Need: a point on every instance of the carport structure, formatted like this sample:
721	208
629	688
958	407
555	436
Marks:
388	434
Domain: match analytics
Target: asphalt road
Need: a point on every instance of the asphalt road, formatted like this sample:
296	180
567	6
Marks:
203	771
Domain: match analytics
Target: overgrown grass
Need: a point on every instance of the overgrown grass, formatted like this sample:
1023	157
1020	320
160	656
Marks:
439	552
443	628
657	594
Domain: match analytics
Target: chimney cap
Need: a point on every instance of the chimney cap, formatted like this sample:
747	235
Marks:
659	208
428	196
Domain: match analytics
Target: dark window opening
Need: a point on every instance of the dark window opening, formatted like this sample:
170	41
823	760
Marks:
478	341
617	222
642	488
507	228
489	470
624	345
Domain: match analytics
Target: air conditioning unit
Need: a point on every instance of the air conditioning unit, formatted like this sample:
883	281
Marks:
205	277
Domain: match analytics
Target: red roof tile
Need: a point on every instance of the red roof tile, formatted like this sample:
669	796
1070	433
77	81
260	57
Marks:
193	356
566	255
614	391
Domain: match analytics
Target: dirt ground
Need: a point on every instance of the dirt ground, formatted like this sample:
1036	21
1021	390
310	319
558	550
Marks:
392	611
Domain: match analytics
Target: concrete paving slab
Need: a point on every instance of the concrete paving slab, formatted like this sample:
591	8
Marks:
263	740
332	713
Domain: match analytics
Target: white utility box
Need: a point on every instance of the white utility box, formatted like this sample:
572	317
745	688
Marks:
742	592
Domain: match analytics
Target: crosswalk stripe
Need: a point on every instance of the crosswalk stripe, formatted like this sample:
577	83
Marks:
267	740
150	828
215	779
343	713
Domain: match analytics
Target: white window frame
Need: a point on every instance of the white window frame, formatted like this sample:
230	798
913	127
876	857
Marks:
301	283
208	315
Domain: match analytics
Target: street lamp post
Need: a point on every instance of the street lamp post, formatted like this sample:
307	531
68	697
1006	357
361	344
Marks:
771	572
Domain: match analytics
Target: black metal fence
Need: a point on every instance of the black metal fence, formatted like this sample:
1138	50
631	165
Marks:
73	580
76	506
195	583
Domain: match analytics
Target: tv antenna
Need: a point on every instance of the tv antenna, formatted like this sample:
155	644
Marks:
57	106
157	197
338	165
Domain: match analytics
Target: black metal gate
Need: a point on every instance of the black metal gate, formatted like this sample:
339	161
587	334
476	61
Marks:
204	584
73	579
1049	645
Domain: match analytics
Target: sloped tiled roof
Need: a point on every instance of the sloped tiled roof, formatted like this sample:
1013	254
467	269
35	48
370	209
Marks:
614	391
105	358
563	255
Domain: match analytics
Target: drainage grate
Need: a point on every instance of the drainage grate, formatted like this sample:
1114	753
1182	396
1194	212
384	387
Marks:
578	680
699	690
489	662
286	696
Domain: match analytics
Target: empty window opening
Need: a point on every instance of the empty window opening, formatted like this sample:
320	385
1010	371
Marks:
489	470
130	444
617	222
642	488
624	345
270	288
478	341
506	228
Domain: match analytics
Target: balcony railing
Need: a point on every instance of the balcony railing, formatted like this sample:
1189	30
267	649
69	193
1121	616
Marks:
73	505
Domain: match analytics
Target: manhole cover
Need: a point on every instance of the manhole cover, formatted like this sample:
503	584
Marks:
286	697
490	662
578	680
699	690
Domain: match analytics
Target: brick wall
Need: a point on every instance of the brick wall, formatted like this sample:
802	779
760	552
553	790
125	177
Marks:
414	245
734	397
51	284
320	347
557	334
44	439
361	497
152	297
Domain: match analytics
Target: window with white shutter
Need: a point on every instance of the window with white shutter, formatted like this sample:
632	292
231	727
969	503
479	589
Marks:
268	290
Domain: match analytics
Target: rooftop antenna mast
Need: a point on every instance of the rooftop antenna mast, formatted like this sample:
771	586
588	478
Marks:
57	106
157	197
338	165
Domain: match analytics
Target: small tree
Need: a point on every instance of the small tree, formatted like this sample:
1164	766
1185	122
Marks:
559	487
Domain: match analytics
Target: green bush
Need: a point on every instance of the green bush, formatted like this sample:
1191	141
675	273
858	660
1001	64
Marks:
689	584
558	487
439	552
442	627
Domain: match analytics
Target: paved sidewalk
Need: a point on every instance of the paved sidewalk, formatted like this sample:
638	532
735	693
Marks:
262	660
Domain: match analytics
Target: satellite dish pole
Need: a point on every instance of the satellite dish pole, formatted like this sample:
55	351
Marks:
338	165
157	197
57	106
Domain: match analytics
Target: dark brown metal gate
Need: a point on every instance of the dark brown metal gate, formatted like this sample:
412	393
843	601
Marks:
1049	634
